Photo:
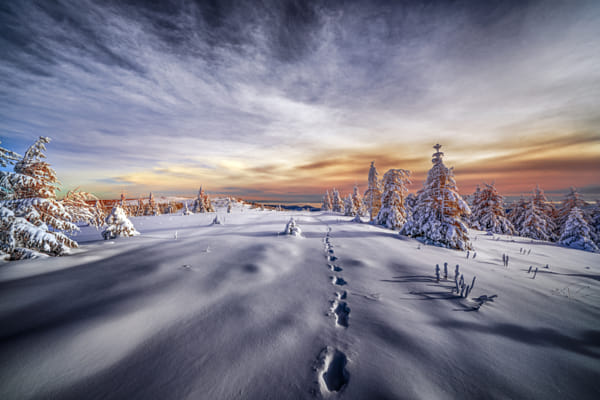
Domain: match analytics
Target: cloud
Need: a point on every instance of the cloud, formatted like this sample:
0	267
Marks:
287	93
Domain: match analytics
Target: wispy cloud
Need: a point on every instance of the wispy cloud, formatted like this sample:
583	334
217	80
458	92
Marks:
288	95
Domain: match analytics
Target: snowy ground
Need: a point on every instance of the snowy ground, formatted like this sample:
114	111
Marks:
236	311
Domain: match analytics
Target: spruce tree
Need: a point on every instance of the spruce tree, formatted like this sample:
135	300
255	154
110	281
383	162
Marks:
436	217
199	204
516	213
372	196
349	208
327	206
357	200
487	211
547	212
572	200
392	212
337	204
33	220
535	223
117	224
576	232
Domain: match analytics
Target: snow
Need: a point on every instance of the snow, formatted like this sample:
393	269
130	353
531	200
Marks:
350	311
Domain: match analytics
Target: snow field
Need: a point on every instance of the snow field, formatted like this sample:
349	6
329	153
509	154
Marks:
349	310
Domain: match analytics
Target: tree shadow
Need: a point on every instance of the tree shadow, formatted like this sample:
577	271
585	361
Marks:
585	342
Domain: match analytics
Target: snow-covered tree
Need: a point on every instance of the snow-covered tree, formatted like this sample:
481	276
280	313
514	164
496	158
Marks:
576	232
517	213
436	217
327	205
78	206
337	204
572	200
357	199
292	228
349	208
535	224
33	218
202	203
487	211
186	210
547	212
393	213
117	224
372	197
152	208
595	222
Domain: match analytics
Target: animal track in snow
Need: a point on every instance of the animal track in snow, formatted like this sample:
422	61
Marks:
341	312
341	295
333	376
336	280
332	258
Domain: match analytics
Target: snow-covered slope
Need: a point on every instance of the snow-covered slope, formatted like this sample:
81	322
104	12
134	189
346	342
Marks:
190	310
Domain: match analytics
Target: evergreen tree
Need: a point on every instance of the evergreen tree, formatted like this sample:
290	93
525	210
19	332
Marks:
372	197
577	233
117	224
516	215
349	208
595	222
487	211
186	210
393	213
572	200
32	218
357	200
337	204
200	203
327	205
535	224
152	208
547	212
436	217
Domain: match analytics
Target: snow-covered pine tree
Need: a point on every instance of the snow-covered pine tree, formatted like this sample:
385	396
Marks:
117	224
8	157
437	214
33	219
357	199
595	222
576	232
199	204
372	196
152	208
548	212
186	210
535	223
327	206
487	211
349	208
473	202
337	204
208	206
78	206
392	213
572	200
516	213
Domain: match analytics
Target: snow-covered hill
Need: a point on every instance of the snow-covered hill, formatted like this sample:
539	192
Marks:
190	310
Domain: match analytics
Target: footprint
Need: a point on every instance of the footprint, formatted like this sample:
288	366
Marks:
332	258
334	268
341	295
341	312
338	281
333	376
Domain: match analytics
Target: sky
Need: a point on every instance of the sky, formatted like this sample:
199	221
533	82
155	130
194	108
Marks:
281	100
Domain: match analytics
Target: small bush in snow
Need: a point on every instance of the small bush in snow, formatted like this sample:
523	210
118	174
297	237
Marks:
291	228
118	225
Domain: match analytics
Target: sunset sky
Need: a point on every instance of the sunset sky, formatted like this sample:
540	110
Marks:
281	100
